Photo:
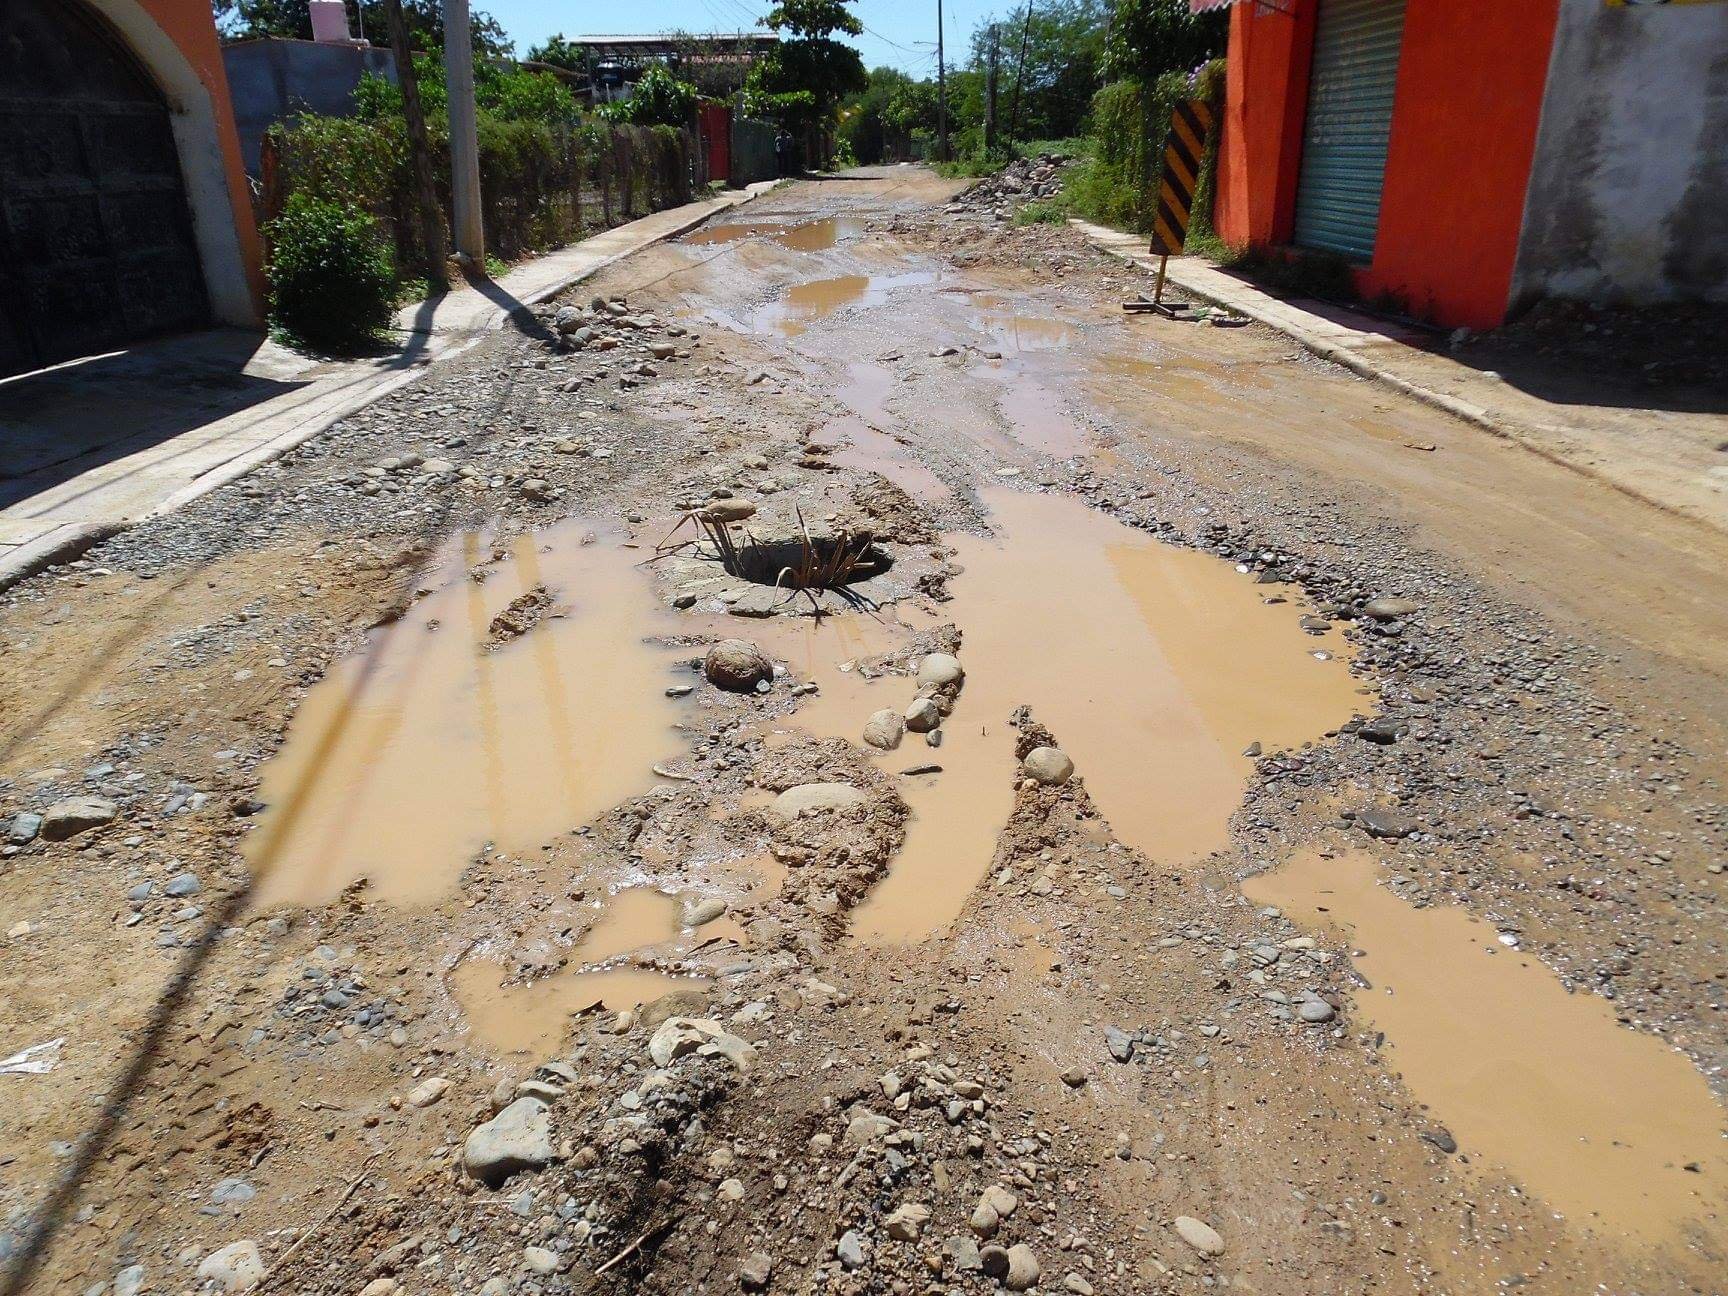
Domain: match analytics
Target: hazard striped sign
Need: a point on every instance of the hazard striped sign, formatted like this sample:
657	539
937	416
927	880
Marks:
1183	149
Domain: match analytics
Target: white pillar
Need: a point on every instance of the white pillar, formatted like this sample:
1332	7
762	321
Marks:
464	144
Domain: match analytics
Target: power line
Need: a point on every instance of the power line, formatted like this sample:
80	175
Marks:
907	49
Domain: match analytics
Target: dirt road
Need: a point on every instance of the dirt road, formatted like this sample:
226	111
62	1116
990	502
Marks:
412	897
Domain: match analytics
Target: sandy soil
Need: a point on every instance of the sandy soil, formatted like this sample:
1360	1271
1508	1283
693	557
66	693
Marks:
1375	944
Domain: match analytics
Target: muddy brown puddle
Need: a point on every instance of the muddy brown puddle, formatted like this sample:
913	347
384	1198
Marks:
804	303
1612	1128
612	966
809	236
1154	666
433	740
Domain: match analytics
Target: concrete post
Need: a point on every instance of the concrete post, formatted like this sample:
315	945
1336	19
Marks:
942	92
990	95
464	143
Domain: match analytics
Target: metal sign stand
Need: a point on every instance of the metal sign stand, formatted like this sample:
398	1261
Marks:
1172	310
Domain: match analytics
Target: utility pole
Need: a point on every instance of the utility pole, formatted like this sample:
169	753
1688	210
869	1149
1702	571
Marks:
464	144
990	93
941	92
431	218
1020	76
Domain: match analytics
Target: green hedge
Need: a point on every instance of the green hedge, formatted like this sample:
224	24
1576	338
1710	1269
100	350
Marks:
544	183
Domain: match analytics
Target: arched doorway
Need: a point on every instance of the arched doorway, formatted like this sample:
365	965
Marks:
96	239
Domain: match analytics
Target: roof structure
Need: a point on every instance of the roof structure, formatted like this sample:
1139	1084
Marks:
676	44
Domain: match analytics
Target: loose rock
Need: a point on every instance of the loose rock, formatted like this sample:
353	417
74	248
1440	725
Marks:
808	797
939	669
737	666
1199	1235
74	815
236	1266
755	1271
884	729
1048	765
923	715
517	1138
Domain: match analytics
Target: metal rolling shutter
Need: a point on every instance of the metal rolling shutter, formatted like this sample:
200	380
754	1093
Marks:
1349	120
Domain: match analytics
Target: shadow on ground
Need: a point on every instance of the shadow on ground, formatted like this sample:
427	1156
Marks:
57	423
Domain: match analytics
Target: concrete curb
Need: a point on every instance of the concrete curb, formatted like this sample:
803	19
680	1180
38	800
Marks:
1509	430
238	467
70	540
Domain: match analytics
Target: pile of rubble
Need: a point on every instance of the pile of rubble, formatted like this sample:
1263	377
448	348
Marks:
1021	181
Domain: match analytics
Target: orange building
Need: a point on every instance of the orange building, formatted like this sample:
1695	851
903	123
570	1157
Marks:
124	208
1468	159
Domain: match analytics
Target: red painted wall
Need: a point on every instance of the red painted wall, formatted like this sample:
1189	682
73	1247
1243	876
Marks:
1265	99
1464	118
1470	85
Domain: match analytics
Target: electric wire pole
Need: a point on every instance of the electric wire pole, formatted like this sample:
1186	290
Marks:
1020	74
941	92
431	217
990	94
464	144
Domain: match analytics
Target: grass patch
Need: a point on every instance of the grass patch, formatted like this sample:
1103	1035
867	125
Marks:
1044	211
969	168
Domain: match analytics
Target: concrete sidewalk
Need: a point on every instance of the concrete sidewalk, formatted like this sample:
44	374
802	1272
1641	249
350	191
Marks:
1668	458
93	446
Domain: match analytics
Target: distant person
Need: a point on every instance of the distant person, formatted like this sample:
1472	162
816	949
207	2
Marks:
783	146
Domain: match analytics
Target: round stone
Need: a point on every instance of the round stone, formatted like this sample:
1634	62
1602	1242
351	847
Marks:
1049	765
923	715
940	669
737	666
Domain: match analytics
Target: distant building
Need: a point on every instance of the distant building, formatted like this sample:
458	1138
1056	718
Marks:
1470	159
124	208
716	62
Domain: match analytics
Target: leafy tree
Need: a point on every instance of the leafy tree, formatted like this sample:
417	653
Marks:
559	52
879	120
502	91
245	19
1063	67
657	99
1151	37
803	81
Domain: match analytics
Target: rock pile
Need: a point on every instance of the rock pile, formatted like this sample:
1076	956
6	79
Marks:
1022	180
940	677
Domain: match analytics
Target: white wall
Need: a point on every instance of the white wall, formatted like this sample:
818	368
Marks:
1628	193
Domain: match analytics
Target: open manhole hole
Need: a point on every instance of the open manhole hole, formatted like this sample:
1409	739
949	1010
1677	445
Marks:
820	562
808	563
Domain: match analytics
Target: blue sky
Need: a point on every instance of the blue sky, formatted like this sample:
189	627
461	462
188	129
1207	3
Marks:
902	33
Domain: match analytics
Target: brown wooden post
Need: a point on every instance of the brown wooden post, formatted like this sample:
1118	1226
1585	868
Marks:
431	217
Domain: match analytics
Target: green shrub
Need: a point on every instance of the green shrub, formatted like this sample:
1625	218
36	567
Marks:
331	282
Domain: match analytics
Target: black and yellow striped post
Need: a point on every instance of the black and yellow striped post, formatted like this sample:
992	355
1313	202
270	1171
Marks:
1183	148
